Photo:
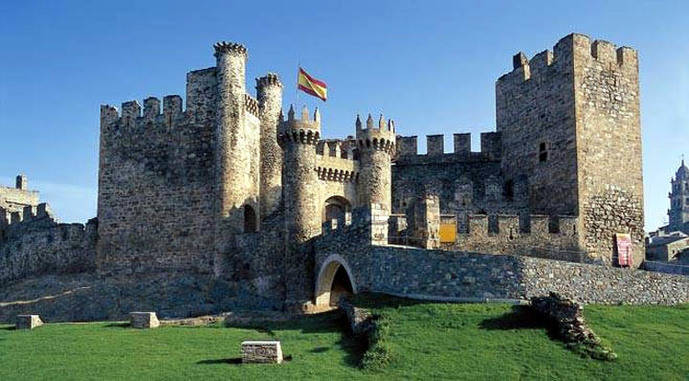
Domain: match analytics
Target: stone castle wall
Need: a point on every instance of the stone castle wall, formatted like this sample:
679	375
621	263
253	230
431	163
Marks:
543	237
535	114
606	82
156	172
466	182
569	121
34	243
466	276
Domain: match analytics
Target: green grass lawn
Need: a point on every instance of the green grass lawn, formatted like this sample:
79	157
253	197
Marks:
427	341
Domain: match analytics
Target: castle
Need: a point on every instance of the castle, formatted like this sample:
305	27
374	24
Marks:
231	188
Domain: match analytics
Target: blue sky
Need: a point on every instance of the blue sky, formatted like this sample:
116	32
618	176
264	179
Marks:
430	65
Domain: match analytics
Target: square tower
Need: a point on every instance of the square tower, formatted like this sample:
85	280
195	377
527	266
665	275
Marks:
570	123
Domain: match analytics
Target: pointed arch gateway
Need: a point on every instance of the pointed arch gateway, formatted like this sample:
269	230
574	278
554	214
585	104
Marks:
334	281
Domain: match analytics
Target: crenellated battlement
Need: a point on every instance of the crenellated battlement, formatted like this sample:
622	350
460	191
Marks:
510	225
229	47
336	168
270	79
305	130
380	136
29	215
573	45
407	148
131	116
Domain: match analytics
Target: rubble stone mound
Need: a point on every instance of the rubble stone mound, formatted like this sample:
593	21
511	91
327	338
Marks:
570	325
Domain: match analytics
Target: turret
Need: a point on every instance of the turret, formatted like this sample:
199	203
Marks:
22	182
376	147
298	138
237	152
269	94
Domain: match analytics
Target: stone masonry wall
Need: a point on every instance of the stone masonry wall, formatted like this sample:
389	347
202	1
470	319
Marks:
466	182
38	245
443	275
535	113
543	237
155	193
570	123
606	82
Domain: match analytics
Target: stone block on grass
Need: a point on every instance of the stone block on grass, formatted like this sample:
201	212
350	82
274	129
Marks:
28	321
143	320
261	352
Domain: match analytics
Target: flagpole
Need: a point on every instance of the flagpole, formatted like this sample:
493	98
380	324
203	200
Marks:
296	88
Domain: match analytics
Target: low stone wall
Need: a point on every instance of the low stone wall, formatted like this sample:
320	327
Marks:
43	246
437	274
669	268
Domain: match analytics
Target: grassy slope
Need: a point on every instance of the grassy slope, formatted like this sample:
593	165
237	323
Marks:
428	341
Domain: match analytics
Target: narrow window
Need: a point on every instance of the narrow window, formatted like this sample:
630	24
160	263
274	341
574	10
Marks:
249	219
508	192
542	153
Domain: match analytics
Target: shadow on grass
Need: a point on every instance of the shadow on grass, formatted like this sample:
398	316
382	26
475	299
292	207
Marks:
117	325
375	300
316	323
234	361
320	349
9	328
521	317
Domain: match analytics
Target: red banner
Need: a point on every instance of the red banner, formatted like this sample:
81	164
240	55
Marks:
624	249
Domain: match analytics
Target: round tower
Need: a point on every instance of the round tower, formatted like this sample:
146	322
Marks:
298	138
269	94
236	154
230	71
376	147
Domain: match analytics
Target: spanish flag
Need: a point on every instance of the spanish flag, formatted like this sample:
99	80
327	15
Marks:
311	85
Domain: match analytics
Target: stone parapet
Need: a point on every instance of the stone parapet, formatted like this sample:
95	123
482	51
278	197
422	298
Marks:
443	275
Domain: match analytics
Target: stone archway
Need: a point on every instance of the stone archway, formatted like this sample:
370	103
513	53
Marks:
334	280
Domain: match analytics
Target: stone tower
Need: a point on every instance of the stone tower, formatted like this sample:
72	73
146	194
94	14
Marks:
679	200
570	123
376	146
298	138
269	95
22	182
237	154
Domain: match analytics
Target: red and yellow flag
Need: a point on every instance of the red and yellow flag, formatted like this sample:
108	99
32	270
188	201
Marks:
311	85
